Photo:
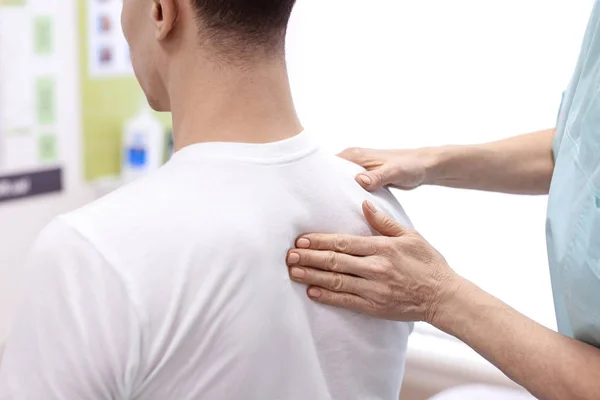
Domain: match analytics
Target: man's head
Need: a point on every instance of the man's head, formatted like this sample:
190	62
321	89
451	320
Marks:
226	33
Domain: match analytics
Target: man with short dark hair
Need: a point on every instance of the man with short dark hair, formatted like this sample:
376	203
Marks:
175	287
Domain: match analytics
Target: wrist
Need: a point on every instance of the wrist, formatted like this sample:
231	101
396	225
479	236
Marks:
451	301
437	162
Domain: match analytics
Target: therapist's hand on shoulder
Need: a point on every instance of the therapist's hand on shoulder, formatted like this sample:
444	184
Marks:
398	276
402	169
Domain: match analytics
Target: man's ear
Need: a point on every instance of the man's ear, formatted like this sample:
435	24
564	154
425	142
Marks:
164	14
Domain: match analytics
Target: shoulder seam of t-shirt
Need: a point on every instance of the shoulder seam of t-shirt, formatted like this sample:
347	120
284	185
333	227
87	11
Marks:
110	261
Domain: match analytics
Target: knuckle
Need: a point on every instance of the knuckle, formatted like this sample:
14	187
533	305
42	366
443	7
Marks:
371	248
385	296
347	302
373	309
385	267
341	244
389	246
378	176
385	245
378	270
333	261
337	282
390	223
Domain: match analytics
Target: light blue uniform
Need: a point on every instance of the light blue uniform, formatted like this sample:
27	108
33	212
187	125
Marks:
573	226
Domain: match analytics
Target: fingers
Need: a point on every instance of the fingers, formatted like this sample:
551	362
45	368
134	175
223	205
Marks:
346	244
355	155
374	180
370	180
344	300
332	281
329	261
382	222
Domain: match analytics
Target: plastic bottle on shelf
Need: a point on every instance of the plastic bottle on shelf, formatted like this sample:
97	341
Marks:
143	145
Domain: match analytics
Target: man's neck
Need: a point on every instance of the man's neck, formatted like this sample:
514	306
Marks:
250	105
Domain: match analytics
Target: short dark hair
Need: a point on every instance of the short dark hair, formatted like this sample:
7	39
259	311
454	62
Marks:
246	24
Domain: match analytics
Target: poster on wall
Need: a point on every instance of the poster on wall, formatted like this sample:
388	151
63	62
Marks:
30	131
110	93
108	53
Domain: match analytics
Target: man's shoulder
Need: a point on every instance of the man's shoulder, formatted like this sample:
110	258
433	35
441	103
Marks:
116	208
59	247
140	221
383	198
345	166
145	200
57	236
131	211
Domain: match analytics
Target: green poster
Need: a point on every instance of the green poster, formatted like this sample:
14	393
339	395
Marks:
45	101
47	148
108	99
43	35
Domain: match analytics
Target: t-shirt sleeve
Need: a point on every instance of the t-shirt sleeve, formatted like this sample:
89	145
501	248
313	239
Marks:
76	333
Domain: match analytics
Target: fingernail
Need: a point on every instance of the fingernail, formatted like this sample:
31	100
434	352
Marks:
371	207
298	273
303	243
293	258
314	293
365	179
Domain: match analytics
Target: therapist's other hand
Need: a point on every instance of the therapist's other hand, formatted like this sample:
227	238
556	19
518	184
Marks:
402	169
398	276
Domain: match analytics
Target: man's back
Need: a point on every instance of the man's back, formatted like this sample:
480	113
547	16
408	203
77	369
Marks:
188	295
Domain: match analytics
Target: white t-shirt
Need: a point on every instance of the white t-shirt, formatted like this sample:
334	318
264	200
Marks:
176	287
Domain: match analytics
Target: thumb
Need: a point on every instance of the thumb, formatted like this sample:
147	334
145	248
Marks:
381	222
374	180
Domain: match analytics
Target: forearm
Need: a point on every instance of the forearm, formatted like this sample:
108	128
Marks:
520	165
549	365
